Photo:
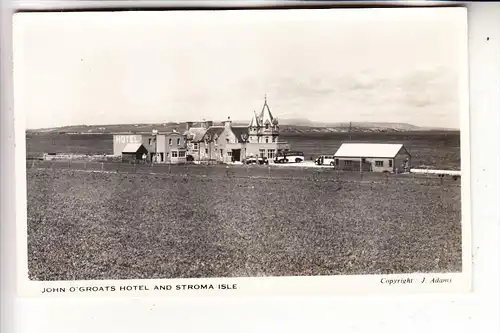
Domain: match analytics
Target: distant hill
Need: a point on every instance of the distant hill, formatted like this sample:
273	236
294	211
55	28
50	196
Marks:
286	125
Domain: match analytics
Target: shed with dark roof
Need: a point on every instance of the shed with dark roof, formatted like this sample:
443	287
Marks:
133	152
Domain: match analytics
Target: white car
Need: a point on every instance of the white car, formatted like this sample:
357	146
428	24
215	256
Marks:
325	160
289	157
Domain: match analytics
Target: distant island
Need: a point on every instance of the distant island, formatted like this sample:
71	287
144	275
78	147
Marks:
286	126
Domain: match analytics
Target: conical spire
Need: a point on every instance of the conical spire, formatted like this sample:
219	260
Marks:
255	121
266	115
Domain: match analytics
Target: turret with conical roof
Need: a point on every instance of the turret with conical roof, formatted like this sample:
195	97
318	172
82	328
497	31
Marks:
264	127
253	128
266	115
255	121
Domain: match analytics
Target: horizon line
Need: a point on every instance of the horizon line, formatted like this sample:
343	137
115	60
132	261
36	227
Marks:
241	121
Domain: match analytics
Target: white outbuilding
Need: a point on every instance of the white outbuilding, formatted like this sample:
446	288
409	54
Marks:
376	157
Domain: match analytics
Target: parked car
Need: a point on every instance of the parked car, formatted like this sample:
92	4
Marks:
289	157
325	160
255	160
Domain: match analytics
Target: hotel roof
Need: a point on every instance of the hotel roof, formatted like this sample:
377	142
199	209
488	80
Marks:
195	134
239	131
213	132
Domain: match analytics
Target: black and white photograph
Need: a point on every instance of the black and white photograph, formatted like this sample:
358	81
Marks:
257	145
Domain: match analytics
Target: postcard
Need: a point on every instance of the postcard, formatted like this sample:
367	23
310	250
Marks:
242	152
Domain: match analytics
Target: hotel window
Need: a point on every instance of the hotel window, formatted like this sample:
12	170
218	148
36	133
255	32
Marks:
267	125
229	153
195	146
227	140
174	153
178	142
262	152
379	163
270	153
169	142
390	163
274	139
267	139
206	150
182	153
347	162
222	153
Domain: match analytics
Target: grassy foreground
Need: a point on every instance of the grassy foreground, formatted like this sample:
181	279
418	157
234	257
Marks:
127	226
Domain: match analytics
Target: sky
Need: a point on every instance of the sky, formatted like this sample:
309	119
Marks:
333	65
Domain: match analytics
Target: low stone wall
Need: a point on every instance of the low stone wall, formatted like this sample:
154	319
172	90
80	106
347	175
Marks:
81	157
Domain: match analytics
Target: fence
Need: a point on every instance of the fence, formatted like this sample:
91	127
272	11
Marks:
245	171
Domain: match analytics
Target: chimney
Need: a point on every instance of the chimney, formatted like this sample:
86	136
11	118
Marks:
227	123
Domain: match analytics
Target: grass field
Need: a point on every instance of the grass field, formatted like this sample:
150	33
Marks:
84	225
428	149
190	221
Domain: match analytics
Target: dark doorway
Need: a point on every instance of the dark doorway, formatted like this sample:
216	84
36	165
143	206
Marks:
236	155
